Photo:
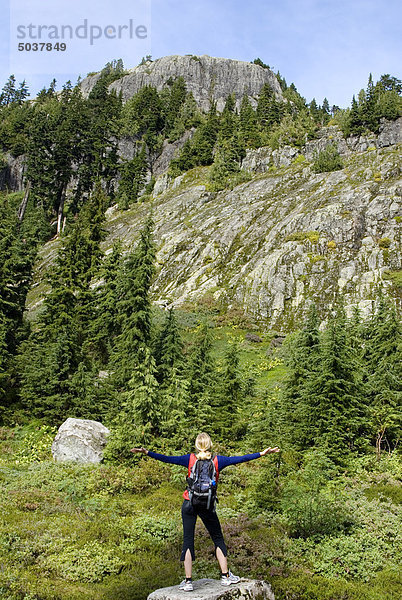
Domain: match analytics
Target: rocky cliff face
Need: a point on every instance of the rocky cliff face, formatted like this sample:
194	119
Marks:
285	238
12	175
208	78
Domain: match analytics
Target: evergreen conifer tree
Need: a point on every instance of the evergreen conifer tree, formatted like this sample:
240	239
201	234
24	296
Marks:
230	392
264	105
134	306
314	110
142	399
336	393
169	350
229	120
201	379
175	399
382	359
302	357
248	124
51	356
133	173
104	324
188	116
4	365
137	418
355	119
227	160
325	112
172	100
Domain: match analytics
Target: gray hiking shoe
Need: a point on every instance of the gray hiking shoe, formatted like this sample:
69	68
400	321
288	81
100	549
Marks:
187	586
228	579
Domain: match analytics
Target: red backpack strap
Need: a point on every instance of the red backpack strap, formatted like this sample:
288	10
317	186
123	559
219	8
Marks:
215	459
191	462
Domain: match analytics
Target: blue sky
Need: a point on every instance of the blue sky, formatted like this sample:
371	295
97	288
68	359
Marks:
326	48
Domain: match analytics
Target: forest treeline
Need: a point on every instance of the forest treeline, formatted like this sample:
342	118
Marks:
70	142
95	351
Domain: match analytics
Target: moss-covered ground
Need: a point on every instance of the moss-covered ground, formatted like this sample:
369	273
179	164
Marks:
108	532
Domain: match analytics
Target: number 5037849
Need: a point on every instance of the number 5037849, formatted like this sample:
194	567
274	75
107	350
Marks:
41	47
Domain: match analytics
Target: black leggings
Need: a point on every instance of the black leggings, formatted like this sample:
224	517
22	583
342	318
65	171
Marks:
210	519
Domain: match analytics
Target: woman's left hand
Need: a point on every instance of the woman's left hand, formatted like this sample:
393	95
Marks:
269	450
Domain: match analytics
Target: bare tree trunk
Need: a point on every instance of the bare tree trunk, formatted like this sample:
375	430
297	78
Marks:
380	435
60	212
23	205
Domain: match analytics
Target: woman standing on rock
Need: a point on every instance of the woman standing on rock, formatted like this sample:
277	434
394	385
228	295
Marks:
199	500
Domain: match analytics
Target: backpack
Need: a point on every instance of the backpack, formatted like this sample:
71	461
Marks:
202	482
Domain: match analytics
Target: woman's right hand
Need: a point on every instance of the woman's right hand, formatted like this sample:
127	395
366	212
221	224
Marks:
141	450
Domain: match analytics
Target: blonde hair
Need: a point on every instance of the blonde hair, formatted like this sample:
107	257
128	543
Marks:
203	443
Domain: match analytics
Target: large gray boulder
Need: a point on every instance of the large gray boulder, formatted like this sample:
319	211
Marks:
212	589
80	440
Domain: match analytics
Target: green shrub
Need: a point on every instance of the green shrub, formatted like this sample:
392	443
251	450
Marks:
115	479
266	488
148	530
301	236
302	586
395	277
311	505
91	563
327	160
36	445
292	130
384	242
356	557
385	491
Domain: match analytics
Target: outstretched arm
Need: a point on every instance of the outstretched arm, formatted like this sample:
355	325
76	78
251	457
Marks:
174	460
226	461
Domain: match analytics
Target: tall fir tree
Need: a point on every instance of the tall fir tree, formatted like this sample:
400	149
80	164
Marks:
104	324
142	397
201	379
132	178
134	306
175	398
138	416
248	124
49	359
336	393
383	360
302	357
169	350
229	393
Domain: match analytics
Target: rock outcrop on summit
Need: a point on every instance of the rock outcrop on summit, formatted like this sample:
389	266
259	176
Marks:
206	77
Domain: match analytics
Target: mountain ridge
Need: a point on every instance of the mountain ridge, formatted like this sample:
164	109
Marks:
207	78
